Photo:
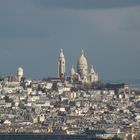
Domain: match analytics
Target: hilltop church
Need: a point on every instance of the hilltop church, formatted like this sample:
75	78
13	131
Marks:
83	74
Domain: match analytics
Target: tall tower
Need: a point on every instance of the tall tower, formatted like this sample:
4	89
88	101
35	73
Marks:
19	73
61	65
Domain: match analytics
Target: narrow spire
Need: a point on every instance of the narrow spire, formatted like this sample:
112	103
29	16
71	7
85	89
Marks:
92	70
61	50
82	52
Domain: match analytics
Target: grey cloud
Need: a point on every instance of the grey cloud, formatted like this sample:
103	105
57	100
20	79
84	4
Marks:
14	33
132	22
133	27
18	19
88	4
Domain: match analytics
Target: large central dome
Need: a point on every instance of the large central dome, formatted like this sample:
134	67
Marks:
82	60
82	65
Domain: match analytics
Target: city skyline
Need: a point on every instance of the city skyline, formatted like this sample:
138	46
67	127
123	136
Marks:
33	32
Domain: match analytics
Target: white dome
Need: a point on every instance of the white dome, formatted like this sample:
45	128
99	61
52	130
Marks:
72	71
20	69
82	60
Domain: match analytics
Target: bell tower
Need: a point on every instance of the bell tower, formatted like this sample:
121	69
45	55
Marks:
61	65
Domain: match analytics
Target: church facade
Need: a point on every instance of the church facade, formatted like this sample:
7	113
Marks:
83	74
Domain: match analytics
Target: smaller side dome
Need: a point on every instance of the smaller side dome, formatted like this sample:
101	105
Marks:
72	71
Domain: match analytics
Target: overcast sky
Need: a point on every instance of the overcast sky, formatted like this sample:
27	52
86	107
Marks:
32	32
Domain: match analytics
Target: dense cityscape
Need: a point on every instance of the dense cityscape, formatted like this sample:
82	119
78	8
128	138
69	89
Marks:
77	104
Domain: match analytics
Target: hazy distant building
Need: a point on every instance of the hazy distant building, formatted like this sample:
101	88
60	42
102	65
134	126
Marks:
11	79
20	73
61	65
